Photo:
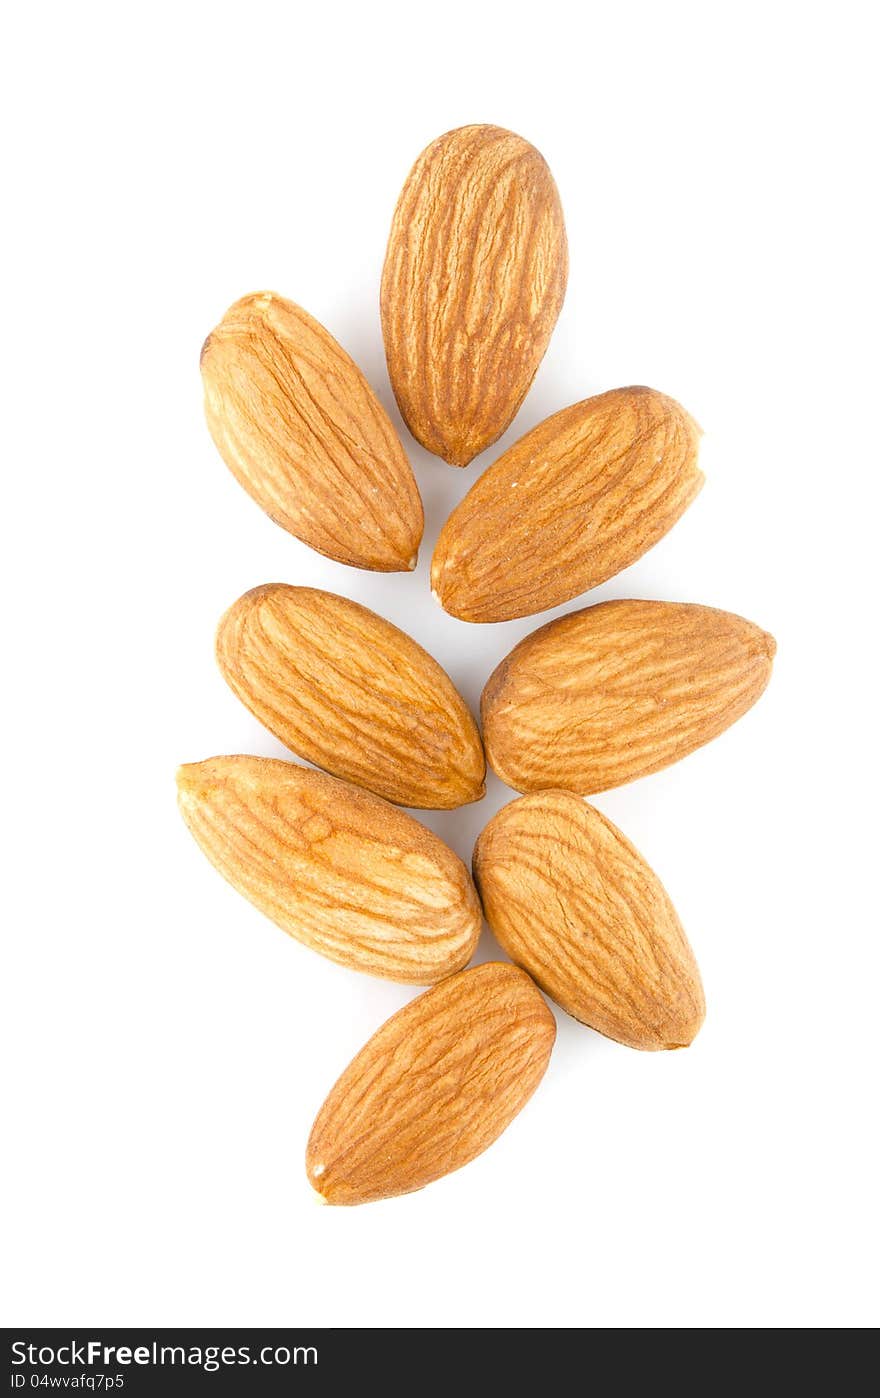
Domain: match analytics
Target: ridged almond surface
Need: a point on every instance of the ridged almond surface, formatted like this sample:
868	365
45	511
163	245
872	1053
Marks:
613	692
577	499
433	1088
338	868
574	904
473	283
300	428
345	689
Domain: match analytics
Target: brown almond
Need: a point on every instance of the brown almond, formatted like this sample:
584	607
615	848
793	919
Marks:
473	283
574	904
433	1088
300	428
613	692
577	499
348	691
339	869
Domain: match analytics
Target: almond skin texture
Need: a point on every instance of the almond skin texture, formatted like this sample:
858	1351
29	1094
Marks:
348	691
582	496
339	869
300	428
577	907
473	282
613	692
433	1088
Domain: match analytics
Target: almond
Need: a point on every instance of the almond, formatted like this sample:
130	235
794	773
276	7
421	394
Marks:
338	868
300	428
574	904
433	1088
473	282
348	691
577	499
613	692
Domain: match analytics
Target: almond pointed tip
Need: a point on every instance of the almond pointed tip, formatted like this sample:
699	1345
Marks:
185	777
687	1032
470	793
190	782
769	645
681	1037
314	1173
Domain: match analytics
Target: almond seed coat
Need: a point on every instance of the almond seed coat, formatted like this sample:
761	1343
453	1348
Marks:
347	690
577	499
433	1088
339	869
473	283
300	428
608	694
574	903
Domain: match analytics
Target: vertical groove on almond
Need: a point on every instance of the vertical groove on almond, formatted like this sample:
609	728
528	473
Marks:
616	691
302	431
574	904
580	497
472	286
336	867
348	691
433	1088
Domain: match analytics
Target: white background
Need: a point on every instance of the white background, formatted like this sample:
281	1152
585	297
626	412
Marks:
167	1047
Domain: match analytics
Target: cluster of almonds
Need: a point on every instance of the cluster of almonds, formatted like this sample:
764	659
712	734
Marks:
473	283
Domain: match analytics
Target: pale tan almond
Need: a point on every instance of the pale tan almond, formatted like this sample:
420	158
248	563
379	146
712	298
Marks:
577	499
300	428
473	282
613	692
433	1088
574	904
345	689
338	868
